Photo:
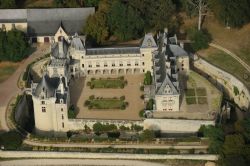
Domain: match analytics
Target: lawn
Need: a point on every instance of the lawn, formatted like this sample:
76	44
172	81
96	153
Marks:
227	63
106	103
107	83
202	100
6	70
201	92
190	92
191	100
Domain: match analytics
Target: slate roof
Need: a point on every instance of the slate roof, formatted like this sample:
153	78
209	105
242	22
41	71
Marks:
148	41
48	86
107	51
177	50
47	21
13	15
59	50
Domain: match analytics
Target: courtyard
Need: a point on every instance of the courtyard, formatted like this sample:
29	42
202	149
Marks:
199	99
110	98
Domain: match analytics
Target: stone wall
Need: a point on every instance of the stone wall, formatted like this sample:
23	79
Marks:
229	83
175	125
78	124
165	125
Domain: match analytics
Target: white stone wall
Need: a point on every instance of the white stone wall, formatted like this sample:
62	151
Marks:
78	124
175	125
228	81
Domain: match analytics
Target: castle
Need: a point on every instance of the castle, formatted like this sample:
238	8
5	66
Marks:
70	57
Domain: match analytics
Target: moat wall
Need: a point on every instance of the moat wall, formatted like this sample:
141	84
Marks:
227	81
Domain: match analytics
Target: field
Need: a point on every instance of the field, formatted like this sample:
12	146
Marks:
6	70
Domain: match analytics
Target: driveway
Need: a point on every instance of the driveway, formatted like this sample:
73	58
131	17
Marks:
9	88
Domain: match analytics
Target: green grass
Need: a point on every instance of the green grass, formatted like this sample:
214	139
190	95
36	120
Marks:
202	100
229	64
190	92
107	83
106	103
191	100
6	71
201	92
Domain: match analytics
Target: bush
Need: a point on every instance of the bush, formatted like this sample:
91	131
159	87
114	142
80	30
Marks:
147	135
141	113
124	128
150	104
122	98
200	39
142	88
87	103
92	97
136	127
11	140
71	112
148	78
142	97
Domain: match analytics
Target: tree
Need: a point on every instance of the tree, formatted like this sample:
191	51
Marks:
124	22
200	39
233	144
96	27
91	3
71	112
11	140
148	78
201	6
7	4
216	137
13	45
97	127
231	13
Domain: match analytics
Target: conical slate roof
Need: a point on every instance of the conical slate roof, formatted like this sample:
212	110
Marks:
47	86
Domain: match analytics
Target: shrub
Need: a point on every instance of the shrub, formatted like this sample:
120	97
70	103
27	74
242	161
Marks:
124	128
141	113
148	78
87	103
200	39
142	88
71	112
122	98
92	97
136	127
236	91
150	104
142	97
147	135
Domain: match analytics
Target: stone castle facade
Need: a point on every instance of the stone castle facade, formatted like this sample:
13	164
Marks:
70	57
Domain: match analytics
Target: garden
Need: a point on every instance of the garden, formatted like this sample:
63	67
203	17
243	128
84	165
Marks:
106	103
119	82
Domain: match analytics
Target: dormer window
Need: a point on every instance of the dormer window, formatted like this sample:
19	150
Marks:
149	42
43	102
61	101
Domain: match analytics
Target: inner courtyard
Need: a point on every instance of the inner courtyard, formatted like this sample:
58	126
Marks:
80	92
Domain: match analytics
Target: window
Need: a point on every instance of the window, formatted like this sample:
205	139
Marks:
120	64
71	70
43	102
182	68
43	109
113	64
61	109
142	54
105	65
136	64
128	64
62	125
182	64
62	117
82	65
143	63
143	70
90	66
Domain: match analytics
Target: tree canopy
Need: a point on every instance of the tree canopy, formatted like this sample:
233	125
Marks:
7	4
13	45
